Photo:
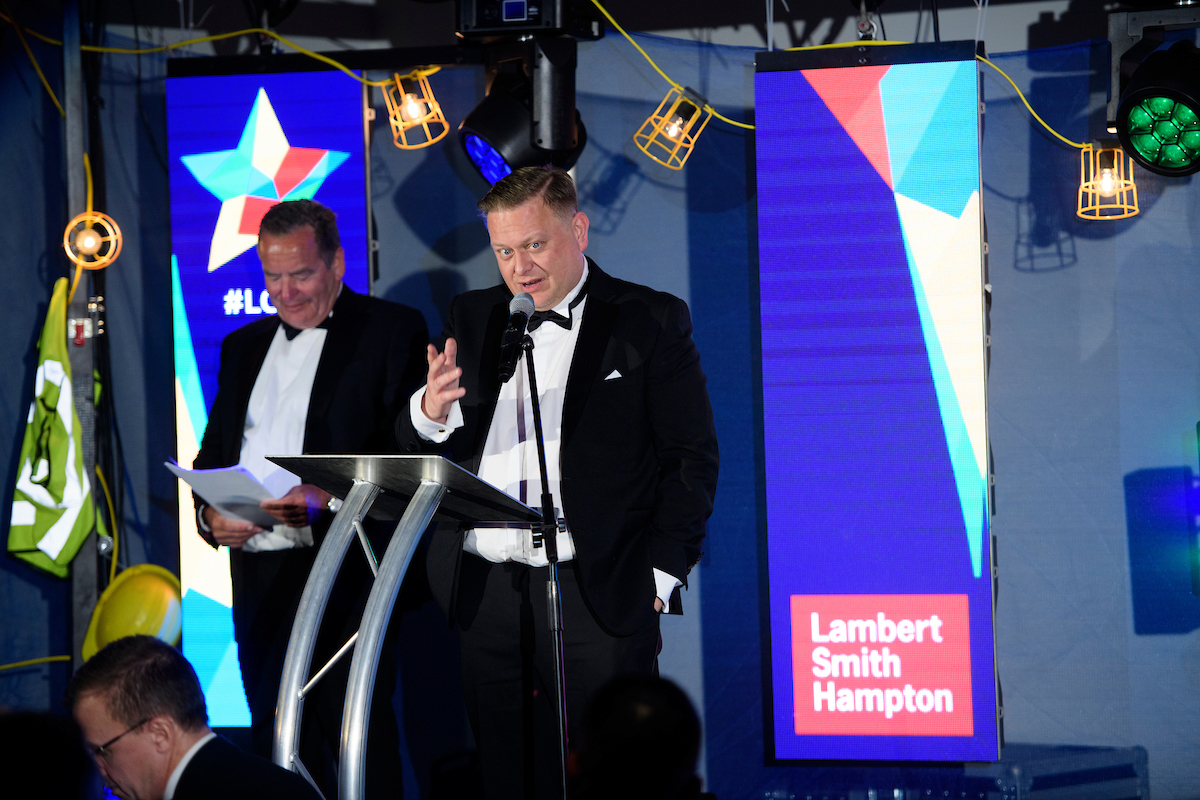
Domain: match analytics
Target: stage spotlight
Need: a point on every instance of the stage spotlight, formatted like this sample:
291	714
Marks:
528	117
1158	119
1106	187
416	118
490	20
669	134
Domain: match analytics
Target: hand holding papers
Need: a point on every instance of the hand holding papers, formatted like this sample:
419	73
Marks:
232	491
301	506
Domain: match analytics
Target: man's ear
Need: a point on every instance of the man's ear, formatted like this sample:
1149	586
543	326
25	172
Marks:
579	226
339	263
162	732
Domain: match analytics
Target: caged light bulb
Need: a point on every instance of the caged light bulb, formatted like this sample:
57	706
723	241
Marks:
412	109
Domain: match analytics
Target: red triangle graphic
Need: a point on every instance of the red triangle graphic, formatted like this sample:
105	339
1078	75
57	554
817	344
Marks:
295	167
852	94
252	213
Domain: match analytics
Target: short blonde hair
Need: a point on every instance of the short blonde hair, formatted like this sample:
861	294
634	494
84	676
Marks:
552	184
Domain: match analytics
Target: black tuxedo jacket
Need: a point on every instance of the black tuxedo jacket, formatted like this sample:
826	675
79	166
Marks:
220	769
639	450
373	358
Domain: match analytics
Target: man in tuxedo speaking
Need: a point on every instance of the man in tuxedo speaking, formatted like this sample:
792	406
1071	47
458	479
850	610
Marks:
631	454
329	374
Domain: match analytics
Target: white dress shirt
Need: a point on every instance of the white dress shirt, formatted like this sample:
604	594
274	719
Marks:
275	421
510	461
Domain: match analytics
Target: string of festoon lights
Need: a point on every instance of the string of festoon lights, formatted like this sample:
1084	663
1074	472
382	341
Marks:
1107	190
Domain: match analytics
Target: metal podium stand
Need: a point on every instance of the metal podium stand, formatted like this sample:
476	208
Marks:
415	489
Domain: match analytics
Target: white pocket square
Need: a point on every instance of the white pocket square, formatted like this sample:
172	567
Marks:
612	376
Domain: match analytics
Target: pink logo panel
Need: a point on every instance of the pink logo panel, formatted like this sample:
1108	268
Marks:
882	665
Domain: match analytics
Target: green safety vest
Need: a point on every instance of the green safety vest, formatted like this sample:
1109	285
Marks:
52	511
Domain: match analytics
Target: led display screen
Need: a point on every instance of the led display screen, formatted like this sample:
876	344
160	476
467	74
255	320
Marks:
873	395
237	145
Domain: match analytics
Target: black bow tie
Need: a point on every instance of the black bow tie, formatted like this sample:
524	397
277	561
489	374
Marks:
292	333
538	317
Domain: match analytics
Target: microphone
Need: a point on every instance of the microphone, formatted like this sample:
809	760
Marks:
519	310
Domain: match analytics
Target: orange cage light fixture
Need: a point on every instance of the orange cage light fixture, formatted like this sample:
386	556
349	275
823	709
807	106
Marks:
670	133
414	113
1107	190
92	240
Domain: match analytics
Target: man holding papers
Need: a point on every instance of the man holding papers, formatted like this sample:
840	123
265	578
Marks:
329	374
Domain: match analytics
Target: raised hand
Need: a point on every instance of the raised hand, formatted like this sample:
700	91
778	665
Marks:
441	384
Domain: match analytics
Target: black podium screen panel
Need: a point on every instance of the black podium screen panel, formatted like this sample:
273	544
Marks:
237	145
873	393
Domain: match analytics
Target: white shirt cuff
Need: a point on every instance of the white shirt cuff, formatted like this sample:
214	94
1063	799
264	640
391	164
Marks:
664	586
200	523
436	432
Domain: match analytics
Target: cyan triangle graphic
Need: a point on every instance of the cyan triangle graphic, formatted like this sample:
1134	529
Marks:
186	370
972	487
209	645
259	185
225	695
203	165
932	119
246	143
910	98
226	174
234	178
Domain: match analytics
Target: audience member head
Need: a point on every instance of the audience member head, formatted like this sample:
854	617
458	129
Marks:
641	740
47	757
140	708
302	260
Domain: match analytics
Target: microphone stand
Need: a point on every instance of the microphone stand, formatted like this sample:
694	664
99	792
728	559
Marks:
548	534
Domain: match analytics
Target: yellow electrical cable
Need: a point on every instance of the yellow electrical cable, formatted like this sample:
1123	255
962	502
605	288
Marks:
429	71
664	75
724	118
36	67
31	31
621	30
416	73
1020	94
87	167
32	661
112	519
219	36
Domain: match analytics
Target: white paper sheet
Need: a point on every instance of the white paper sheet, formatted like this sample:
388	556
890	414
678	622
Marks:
232	491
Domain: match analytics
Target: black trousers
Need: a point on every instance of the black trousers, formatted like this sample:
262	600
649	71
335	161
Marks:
265	601
508	671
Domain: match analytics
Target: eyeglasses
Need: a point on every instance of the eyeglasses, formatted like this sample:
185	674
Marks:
105	750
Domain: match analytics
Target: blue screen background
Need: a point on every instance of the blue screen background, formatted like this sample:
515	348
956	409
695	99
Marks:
860	483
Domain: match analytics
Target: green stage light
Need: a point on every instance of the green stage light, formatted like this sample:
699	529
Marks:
1158	119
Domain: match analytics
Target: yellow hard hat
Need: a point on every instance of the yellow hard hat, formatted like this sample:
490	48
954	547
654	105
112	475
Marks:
143	599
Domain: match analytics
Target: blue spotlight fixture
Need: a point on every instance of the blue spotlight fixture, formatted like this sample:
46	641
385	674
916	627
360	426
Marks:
528	117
